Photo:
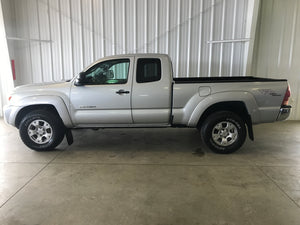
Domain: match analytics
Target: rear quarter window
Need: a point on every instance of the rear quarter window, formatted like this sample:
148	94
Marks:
148	70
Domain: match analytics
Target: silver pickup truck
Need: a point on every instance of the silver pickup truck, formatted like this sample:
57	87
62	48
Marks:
138	90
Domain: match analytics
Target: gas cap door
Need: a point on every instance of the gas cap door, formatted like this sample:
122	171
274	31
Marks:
204	91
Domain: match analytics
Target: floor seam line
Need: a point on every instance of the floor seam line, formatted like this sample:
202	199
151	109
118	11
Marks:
29	180
277	185
146	164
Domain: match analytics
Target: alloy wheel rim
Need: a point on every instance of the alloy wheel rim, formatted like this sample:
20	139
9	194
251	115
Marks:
40	131
224	133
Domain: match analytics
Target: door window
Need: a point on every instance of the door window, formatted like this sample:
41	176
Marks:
108	72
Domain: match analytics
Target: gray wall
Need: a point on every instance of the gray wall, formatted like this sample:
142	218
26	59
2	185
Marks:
6	81
277	47
58	38
10	24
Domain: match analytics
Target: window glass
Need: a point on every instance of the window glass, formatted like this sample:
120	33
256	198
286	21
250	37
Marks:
108	72
148	70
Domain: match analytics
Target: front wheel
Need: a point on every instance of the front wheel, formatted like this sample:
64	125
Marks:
41	130
223	132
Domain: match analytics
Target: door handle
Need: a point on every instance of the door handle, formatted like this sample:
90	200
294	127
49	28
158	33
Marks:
120	92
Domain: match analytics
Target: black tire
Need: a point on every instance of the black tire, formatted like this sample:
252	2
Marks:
50	126
223	132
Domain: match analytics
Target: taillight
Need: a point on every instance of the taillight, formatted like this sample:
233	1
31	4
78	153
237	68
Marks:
286	96
9	98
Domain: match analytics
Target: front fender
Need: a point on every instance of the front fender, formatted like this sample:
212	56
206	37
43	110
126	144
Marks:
245	97
55	101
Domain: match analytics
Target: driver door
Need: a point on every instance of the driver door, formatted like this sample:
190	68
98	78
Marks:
103	97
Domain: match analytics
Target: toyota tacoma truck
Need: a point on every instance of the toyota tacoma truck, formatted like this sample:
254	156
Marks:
139	90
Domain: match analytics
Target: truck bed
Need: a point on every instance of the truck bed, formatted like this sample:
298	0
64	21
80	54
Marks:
224	79
262	96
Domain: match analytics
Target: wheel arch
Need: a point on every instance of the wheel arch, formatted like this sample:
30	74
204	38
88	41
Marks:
25	110
54	103
237	107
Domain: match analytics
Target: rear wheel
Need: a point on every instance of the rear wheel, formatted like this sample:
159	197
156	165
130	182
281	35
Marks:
41	130
223	132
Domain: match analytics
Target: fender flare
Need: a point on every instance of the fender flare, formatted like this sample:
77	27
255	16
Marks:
245	97
56	101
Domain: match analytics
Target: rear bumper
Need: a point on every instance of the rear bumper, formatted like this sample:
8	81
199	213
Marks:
284	112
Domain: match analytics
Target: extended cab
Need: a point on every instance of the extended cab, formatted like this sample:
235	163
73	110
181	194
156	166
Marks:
138	90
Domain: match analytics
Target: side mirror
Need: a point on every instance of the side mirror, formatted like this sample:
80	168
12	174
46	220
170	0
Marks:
80	79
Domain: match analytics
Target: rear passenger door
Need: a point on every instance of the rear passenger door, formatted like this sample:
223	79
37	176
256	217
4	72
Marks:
151	91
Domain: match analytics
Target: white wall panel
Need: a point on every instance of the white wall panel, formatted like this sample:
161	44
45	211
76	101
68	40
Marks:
35	48
56	39
10	24
44	34
6	81
23	48
277	50
98	29
74	33
87	32
66	38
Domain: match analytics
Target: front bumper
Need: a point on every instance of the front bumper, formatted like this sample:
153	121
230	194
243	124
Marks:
10	113
284	112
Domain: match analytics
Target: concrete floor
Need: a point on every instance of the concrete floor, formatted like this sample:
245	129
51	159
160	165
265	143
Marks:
151	176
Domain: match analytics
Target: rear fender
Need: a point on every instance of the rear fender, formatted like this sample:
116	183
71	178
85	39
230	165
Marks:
245	97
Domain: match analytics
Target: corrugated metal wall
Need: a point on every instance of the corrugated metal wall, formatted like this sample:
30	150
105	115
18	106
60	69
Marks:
58	38
277	47
6	81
